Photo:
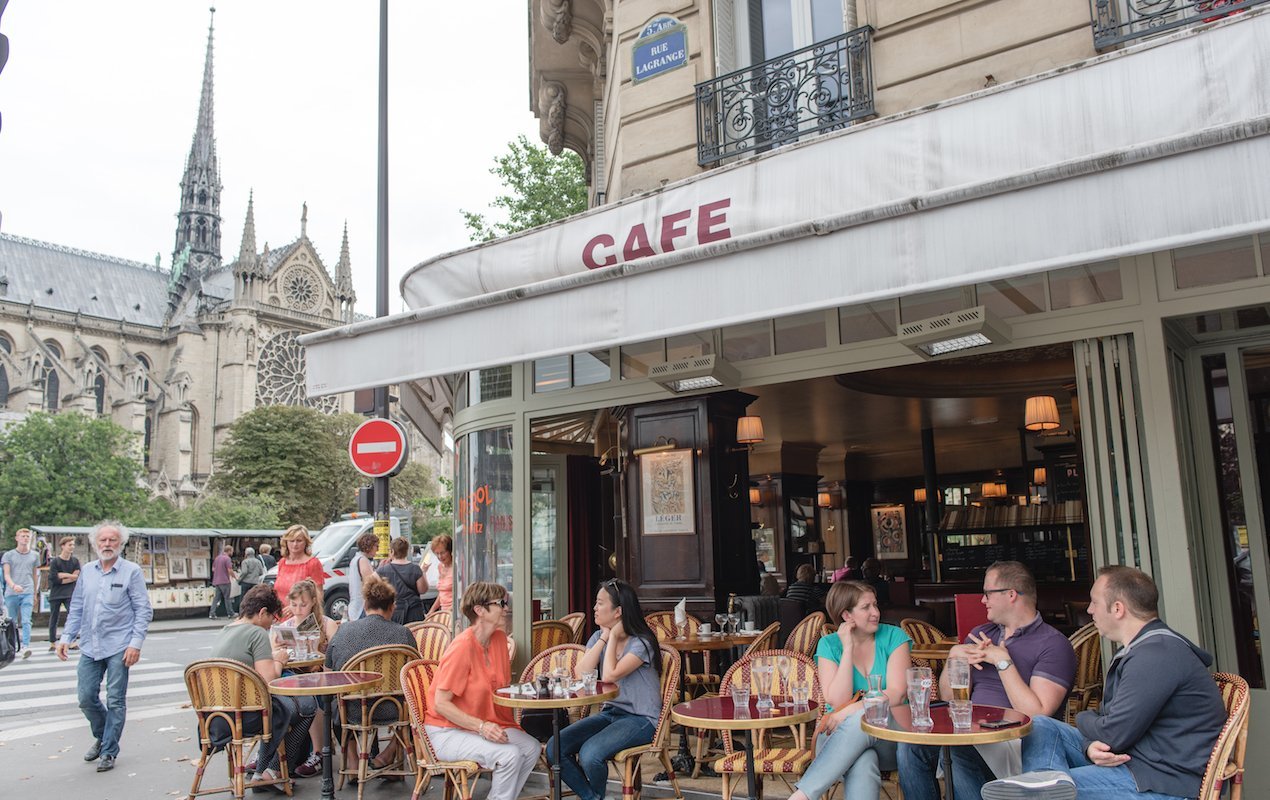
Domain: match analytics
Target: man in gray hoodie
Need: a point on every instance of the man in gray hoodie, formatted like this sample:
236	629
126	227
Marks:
1160	716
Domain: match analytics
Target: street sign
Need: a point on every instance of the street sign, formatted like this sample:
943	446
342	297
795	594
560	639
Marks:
378	448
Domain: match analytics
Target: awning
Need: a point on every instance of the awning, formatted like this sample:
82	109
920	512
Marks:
1146	149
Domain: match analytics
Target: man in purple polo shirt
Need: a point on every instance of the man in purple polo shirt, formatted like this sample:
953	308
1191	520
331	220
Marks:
222	577
1017	661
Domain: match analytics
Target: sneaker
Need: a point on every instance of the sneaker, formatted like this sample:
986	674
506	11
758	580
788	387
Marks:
267	775
1049	785
26	653
311	766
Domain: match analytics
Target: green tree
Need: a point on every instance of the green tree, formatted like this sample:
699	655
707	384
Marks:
434	515
67	469
216	510
539	188
298	456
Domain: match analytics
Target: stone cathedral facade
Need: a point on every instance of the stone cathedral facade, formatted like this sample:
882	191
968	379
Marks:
175	355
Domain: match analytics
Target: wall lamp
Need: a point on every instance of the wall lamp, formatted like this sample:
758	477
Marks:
661	445
749	432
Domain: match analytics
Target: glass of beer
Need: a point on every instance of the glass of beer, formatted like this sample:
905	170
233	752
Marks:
959	679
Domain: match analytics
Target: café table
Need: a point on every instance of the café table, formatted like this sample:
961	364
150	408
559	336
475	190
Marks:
700	643
899	728
324	686
720	714
305	664
604	692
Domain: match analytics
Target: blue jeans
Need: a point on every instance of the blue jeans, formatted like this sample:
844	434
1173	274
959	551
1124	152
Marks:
851	755
917	772
19	606
1053	745
588	744
105	721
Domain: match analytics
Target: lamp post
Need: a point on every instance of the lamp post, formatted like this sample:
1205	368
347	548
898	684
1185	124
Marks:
383	527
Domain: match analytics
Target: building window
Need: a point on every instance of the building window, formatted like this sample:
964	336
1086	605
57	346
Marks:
747	341
494	383
1013	297
866	322
52	386
552	374
147	435
638	358
801	332
145	364
99	392
592	368
4	387
1214	263
1085	285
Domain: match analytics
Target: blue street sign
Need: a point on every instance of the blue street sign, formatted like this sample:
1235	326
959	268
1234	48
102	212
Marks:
661	47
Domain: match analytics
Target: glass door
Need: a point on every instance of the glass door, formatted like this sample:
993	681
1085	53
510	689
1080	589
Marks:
549	533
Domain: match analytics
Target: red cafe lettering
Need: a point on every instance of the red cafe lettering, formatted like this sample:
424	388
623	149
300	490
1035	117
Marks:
711	222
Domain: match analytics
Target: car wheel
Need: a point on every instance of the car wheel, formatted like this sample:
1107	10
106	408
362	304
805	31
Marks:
337	604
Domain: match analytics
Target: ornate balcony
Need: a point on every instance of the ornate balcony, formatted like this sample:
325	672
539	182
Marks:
819	88
1117	21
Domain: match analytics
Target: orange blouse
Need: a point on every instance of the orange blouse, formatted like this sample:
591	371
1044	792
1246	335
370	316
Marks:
290	574
471	673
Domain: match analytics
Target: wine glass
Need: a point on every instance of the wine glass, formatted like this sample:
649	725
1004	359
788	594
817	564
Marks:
783	665
721	620
735	621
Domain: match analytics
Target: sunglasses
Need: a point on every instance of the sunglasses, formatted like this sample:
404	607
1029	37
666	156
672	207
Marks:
502	603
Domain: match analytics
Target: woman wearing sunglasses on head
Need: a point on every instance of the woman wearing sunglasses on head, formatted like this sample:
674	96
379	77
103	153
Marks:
623	651
462	720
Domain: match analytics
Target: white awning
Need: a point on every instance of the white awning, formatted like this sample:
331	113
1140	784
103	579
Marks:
1147	149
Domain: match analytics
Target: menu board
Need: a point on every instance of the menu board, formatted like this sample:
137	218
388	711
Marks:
1045	552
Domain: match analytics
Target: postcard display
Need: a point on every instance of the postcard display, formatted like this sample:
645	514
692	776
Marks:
168	562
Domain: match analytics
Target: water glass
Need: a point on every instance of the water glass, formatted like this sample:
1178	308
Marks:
802	695
763	670
588	681
876	709
960	711
740	699
920	684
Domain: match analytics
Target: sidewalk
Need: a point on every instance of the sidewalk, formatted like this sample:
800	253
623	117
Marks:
198	622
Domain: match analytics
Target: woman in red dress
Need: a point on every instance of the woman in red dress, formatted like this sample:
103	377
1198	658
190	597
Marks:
297	562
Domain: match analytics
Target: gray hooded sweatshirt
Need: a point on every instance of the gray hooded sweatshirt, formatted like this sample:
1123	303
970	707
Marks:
1161	706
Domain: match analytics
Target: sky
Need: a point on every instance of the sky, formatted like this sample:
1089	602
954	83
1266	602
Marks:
99	102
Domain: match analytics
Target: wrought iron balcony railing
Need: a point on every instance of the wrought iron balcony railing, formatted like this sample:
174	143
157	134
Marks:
1117	21
819	88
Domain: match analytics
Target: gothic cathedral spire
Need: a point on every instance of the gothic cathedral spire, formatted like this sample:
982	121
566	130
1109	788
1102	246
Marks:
198	222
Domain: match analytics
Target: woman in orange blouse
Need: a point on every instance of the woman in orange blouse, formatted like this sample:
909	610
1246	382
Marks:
462	720
297	562
442	547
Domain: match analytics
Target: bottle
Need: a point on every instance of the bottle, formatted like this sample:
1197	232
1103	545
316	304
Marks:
876	705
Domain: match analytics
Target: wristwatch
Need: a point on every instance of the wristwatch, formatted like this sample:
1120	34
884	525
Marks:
1004	664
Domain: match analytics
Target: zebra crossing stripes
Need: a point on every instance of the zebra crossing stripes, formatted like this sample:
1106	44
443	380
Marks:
44	682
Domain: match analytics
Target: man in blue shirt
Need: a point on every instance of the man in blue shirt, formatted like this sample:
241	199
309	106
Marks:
110	613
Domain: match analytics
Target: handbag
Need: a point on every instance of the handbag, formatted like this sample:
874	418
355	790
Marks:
235	588
10	640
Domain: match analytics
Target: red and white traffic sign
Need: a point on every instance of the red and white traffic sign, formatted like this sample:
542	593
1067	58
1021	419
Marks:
378	448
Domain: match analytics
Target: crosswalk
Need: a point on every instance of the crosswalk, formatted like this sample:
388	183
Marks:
38	695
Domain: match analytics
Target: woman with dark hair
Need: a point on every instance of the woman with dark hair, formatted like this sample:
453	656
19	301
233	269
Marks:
359	569
861	647
625	652
406	577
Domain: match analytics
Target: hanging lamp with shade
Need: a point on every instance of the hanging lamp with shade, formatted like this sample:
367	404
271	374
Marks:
1041	413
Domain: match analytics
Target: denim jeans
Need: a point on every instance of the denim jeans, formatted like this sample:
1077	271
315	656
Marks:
19	606
1053	745
105	721
851	755
588	744
917	772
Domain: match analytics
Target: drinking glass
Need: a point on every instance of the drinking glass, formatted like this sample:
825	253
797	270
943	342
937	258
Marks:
735	621
801	689
721	620
960	711
763	670
920	681
589	679
783	665
740	699
959	678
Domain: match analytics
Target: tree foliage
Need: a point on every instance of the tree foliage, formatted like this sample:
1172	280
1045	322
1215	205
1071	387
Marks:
211	510
67	469
539	188
295	455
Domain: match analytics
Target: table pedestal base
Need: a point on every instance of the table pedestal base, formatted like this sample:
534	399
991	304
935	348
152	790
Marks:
328	778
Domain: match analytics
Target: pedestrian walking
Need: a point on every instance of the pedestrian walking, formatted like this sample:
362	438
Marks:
250	573
222	581
110	613
21	570
266	555
63	573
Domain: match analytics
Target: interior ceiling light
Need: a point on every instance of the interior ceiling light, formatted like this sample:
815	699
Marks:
691	374
954	332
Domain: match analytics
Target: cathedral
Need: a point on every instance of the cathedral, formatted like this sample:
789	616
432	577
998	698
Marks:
177	355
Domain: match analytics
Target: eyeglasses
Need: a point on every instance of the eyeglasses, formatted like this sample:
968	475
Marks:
987	592
502	603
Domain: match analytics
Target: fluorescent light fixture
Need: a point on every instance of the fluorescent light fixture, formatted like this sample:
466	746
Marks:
954	332
691	374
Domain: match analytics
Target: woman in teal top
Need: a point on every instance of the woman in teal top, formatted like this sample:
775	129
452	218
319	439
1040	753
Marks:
867	647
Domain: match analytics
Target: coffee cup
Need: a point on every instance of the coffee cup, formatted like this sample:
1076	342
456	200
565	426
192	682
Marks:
703	629
748	625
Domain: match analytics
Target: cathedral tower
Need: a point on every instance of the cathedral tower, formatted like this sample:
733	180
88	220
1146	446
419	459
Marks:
198	221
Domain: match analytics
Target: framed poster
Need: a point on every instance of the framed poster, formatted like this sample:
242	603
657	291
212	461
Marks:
160	568
159	544
666	492
199	568
890	539
177	569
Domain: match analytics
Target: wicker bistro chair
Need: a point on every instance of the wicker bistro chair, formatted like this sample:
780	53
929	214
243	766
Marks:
627	761
460	776
441	615
923	634
549	633
227	690
693	683
807	634
1087	689
576	621
1226	763
765	641
769	760
364	713
431	638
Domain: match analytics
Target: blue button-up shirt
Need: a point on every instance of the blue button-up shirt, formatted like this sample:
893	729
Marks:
110	610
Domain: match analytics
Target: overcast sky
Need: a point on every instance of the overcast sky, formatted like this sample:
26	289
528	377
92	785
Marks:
99	102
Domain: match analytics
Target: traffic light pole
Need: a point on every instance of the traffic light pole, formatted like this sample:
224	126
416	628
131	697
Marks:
382	502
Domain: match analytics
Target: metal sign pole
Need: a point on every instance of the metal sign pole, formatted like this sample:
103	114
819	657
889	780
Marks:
382	503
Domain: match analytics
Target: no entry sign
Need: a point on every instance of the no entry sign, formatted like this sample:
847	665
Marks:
378	448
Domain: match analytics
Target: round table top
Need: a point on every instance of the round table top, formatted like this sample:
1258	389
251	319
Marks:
319	683
899	726
711	641
719	714
604	692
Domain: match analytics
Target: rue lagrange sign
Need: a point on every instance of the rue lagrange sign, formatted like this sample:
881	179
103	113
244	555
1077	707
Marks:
661	47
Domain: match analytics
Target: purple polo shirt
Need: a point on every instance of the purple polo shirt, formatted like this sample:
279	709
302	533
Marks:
221	566
1036	649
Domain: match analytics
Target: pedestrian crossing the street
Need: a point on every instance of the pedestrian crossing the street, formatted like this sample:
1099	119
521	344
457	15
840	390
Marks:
39	696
